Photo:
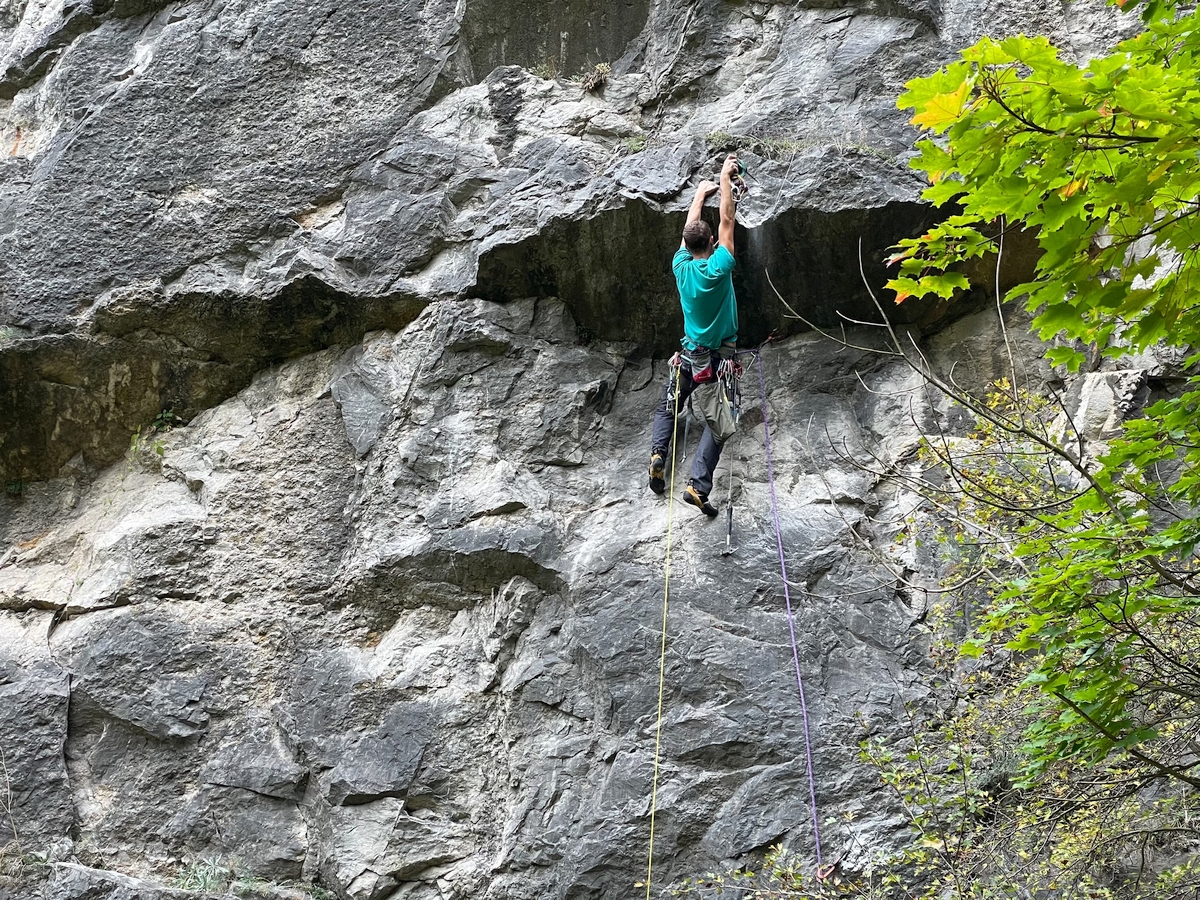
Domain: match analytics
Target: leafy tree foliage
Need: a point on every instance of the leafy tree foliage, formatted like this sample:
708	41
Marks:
1099	161
1092	546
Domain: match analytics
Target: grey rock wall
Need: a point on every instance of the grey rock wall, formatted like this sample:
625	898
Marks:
329	336
413	651
193	191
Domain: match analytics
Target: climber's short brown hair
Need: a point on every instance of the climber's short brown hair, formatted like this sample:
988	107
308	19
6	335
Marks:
697	236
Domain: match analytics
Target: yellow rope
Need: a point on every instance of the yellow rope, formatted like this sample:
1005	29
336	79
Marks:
662	657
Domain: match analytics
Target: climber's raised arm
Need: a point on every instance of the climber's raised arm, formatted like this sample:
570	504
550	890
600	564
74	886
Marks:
728	207
703	192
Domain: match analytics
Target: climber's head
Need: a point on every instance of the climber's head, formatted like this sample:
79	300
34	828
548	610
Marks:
698	238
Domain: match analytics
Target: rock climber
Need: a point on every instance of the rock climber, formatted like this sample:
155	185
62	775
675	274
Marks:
703	267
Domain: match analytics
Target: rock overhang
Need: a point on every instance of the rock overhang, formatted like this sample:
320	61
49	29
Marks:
146	350
458	174
613	269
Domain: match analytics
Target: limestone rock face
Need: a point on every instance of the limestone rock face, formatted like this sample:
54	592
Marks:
432	658
329	339
193	192
416	651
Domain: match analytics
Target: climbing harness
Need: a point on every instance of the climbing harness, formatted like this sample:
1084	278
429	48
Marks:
662	656
720	405
812	790
699	362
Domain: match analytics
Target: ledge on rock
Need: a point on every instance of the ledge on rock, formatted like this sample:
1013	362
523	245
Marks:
383	763
71	881
149	352
453	574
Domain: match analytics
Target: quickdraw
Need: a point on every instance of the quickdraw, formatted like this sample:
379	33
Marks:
737	183
729	373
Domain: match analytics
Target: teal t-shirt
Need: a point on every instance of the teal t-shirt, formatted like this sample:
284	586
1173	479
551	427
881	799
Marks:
706	292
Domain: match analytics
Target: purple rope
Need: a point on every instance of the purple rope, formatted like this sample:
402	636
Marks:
787	597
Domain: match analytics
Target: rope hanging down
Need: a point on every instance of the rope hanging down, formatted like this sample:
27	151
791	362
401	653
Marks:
812	791
662	657
787	597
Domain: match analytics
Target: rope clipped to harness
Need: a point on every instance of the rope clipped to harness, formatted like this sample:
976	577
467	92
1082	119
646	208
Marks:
729	372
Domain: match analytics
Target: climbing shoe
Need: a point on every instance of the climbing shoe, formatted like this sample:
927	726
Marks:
700	501
657	467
